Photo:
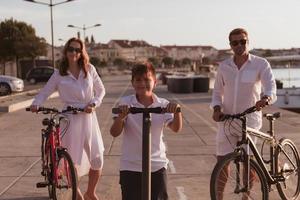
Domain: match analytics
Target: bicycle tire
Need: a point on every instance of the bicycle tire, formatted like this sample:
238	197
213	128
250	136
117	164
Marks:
65	188
284	167
229	194
49	168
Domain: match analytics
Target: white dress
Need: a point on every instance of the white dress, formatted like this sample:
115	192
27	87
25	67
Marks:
83	138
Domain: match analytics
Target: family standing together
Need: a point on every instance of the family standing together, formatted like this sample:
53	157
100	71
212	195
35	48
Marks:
241	81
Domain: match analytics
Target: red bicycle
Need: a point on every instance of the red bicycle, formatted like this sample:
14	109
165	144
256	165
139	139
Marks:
57	165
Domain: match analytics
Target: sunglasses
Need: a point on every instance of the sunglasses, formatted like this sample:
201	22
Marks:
237	42
72	49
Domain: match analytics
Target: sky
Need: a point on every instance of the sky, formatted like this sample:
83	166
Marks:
271	24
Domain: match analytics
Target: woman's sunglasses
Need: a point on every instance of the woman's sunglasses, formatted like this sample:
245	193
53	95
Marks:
72	49
237	42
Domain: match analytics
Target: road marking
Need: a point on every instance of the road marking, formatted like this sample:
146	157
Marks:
210	125
19	177
180	191
172	167
110	118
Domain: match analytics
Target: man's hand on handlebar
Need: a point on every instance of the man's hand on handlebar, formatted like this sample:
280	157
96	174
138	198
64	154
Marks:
262	103
217	114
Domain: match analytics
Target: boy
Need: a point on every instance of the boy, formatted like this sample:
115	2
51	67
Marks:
143	81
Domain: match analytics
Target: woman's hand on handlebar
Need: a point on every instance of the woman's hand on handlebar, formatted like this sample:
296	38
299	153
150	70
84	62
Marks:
34	108
172	108
90	108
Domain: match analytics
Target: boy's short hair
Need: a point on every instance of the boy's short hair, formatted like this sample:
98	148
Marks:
237	31
140	69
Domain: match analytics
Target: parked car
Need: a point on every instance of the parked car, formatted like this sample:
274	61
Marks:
39	74
9	84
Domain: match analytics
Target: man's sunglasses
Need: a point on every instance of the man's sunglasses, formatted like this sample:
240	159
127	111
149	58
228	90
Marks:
237	42
72	49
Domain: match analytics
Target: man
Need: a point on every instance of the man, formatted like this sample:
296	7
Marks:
242	81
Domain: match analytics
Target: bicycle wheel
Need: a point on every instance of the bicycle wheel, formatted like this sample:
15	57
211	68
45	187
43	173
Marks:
66	186
288	165
48	171
230	185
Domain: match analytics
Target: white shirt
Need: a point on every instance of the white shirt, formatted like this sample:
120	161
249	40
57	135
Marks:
83	137
235	89
131	158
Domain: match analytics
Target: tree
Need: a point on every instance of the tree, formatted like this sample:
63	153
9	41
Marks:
268	53
119	62
95	61
86	40
92	40
177	63
206	60
153	61
168	61
186	61
18	40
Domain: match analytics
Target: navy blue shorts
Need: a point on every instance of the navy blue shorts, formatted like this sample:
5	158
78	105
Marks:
131	185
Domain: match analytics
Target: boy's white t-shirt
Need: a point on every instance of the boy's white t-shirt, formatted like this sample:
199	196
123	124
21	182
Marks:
131	158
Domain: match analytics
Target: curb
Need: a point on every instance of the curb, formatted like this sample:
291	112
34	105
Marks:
22	104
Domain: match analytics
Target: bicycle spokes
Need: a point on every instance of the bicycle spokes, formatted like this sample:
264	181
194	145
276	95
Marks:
232	182
66	179
288	170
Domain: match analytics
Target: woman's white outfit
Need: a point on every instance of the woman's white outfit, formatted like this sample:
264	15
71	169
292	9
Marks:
83	137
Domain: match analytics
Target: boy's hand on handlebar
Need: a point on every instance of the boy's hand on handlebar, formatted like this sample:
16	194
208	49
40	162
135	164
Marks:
172	108
34	108
124	110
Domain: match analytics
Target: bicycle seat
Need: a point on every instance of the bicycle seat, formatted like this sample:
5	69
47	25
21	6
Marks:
272	116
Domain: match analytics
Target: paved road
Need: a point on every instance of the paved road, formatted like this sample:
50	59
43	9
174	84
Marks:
191	152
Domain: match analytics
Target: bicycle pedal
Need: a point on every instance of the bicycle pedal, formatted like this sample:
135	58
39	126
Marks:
42	184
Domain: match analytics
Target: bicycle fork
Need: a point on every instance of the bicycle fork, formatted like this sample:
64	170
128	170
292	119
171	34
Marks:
243	185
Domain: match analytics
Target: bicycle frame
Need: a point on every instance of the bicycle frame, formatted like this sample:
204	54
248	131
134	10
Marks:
272	175
53	144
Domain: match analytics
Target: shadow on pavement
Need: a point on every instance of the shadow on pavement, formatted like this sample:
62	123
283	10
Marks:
28	198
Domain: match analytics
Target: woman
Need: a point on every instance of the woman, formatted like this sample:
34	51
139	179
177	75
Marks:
79	85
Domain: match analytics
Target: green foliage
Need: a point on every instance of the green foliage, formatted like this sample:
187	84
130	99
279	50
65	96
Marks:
177	63
186	61
153	61
18	40
206	60
95	61
168	61
119	62
268	53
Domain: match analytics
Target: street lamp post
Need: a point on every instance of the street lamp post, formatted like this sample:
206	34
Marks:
84	28
51	16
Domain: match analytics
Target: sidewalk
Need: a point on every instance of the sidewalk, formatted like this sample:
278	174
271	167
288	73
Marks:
191	152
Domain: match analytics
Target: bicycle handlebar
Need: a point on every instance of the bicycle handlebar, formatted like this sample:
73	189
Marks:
134	110
46	110
239	115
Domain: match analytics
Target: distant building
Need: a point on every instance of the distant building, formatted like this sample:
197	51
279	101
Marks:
133	50
103	52
191	52
58	52
224	54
